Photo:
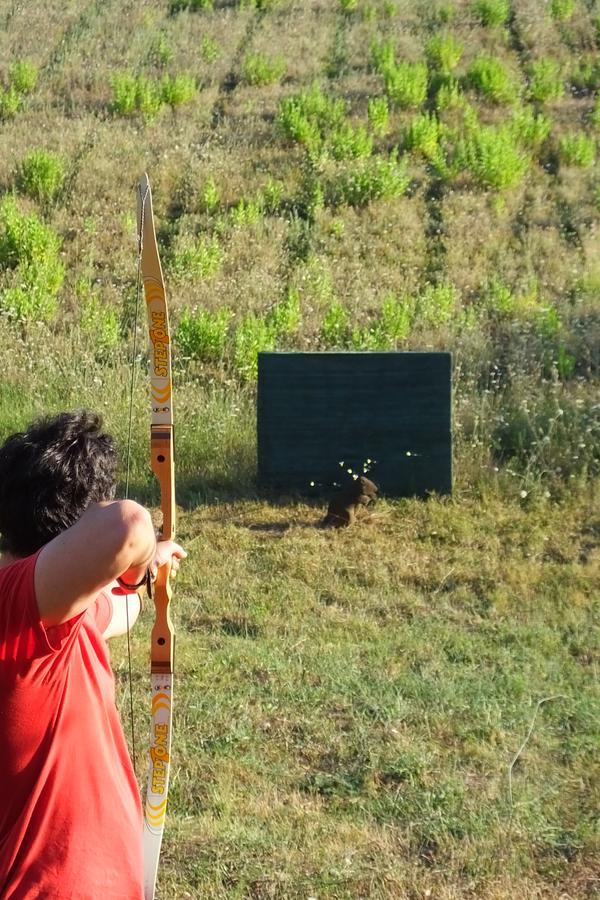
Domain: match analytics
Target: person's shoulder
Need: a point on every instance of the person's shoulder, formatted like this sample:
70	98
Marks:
18	572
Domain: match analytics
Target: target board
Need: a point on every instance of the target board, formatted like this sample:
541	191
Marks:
322	414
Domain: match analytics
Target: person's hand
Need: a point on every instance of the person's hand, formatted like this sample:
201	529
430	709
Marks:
167	551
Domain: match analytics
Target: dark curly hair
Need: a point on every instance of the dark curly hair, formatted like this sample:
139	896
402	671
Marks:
49	475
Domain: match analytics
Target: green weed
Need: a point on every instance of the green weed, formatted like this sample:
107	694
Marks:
561	10
22	79
33	272
262	5
284	318
492	158
22	76
209	49
406	83
530	128
309	116
246	212
10	103
203	335
545	80
436	305
394	322
584	76
272	195
577	150
258	69
443	53
98	322
201	258
448	94
378	113
367	180
177	89
424	136
252	336
335	329
488	77
348	6
194	5
347	142
41	175
209	196
492	13
383	56
133	95
160	52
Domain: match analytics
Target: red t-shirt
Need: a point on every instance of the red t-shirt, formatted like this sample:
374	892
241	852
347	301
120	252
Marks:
70	810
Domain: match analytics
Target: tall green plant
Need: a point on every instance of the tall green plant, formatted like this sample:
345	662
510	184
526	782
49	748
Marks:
29	254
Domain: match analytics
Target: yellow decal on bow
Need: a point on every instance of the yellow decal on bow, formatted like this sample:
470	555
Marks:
160	343
159	755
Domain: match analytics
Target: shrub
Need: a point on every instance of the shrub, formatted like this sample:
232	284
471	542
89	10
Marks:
436	305
132	95
98	321
369	179
578	150
124	88
347	142
160	52
178	89
383	56
443	53
585	76
258	69
406	83
209	49
545	81
41	175
308	117
246	212
29	252
203	335
488	76
423	136
530	128
561	10
492	12
252	336
201	259
148	98
394	322
448	94
272	194
492	158
178	5
10	103
378	112
335	329
284	317
22	77
209	196
259	4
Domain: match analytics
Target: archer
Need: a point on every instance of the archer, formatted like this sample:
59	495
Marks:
72	561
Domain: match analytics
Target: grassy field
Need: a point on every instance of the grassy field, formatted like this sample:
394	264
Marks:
408	708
